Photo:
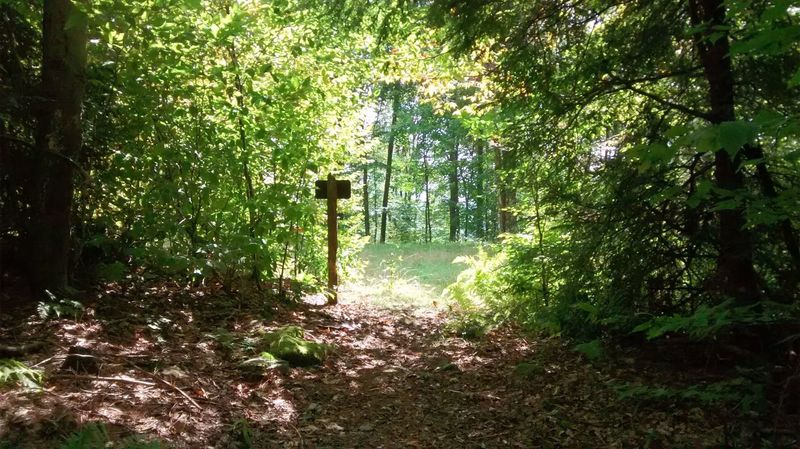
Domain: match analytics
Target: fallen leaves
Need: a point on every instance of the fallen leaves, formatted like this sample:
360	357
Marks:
395	380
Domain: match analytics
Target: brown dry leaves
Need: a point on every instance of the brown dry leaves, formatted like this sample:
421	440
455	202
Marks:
395	380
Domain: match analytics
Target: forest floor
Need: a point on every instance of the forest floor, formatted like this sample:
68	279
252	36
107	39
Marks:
398	377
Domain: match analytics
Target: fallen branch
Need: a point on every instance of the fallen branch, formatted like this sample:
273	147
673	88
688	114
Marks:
16	351
103	379
164	382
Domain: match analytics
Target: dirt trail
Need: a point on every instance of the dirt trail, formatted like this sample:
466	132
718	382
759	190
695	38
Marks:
400	380
397	379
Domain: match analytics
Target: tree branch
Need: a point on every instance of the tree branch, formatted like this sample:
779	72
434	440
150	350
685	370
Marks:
678	107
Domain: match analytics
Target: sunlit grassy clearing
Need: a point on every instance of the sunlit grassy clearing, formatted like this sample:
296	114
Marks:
407	275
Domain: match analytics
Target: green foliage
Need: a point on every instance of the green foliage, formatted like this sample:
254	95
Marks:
615	180
89	436
56	308
242	433
708	321
593	350
96	436
111	272
476	285
741	393
470	326
14	371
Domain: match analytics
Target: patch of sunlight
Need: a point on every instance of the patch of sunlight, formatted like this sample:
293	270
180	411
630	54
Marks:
393	294
406	276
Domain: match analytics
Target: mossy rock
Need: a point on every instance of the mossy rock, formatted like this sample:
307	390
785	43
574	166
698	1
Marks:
529	370
288	344
257	367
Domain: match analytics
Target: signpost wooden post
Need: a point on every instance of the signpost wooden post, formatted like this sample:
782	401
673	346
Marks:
332	190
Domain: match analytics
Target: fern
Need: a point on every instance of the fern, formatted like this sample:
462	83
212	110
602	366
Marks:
56	308
708	321
90	436
14	371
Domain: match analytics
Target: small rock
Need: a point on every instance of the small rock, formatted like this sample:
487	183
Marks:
366	428
334	426
81	360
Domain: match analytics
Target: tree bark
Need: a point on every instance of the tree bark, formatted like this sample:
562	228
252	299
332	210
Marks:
365	194
735	275
464	216
480	219
506	195
248	179
58	142
785	227
453	182
389	151
426	174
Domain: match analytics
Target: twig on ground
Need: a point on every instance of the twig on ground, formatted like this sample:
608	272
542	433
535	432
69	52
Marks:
164	382
43	362
299	435
103	379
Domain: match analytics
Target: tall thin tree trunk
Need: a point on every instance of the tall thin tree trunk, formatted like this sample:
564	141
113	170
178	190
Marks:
427	175
249	189
540	237
365	194
453	182
735	275
58	142
506	195
480	220
375	209
464	218
787	231
389	151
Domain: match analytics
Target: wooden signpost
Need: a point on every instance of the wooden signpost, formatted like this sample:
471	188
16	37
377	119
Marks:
332	189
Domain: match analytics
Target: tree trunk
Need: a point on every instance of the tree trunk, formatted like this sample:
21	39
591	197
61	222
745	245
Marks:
540	237
375	208
735	275
427	176
248	179
786	229
480	222
365	180
464	218
506	195
58	142
389	151
453	181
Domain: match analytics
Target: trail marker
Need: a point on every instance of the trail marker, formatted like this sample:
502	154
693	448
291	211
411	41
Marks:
331	190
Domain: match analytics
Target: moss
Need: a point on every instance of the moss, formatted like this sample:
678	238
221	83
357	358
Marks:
288	344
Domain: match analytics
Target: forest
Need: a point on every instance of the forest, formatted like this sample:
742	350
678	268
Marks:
571	224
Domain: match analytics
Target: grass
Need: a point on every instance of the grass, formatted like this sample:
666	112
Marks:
409	274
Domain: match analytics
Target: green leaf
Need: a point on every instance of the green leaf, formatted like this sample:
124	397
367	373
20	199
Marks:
769	118
703	139
76	19
592	349
652	154
732	136
728	204
794	81
676	131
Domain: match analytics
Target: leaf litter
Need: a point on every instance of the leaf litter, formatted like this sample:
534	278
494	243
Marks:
170	368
